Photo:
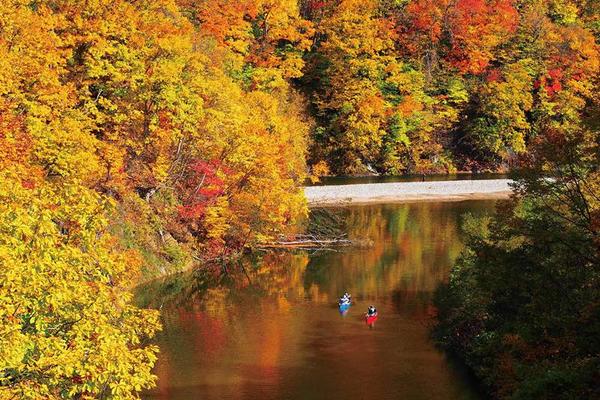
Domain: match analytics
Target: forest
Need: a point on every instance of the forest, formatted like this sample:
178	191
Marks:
142	137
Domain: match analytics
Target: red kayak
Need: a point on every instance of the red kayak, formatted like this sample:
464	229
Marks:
370	320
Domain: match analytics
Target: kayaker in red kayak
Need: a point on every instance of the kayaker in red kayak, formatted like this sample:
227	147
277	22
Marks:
371	315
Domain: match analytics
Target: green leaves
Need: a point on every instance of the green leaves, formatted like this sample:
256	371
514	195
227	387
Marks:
520	306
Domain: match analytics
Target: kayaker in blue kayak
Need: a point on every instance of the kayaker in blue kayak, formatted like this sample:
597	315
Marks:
344	303
345	299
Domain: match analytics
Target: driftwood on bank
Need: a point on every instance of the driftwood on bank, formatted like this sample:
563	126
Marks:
325	230
313	242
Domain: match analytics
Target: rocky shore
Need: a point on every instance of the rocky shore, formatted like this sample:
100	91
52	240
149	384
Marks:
398	192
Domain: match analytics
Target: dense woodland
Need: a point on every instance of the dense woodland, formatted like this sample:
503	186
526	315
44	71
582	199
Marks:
438	85
142	137
522	307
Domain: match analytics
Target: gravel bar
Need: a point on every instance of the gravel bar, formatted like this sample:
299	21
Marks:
395	192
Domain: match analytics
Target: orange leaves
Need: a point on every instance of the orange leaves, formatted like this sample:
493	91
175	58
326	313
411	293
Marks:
409	105
478	26
15	143
227	21
28	184
426	16
263	33
575	53
470	29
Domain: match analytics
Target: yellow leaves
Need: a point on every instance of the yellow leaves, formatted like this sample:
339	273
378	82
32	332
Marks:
269	199
505	104
269	35
116	96
353	7
65	307
319	170
368	89
564	11
354	32
258	140
216	219
280	22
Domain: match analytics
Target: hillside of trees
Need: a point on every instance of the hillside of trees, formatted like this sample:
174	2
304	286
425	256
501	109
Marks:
134	139
139	138
440	85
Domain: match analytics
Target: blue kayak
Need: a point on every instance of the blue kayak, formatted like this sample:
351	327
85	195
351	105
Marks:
344	307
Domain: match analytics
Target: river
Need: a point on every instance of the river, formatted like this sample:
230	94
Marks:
274	332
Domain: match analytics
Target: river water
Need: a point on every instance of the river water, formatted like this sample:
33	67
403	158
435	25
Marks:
274	332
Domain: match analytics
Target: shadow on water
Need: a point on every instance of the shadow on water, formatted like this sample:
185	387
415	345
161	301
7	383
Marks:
350	180
277	333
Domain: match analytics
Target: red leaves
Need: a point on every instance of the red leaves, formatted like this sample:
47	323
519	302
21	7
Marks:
555	73
28	184
316	5
201	187
494	75
470	28
551	82
555	87
554	84
192	211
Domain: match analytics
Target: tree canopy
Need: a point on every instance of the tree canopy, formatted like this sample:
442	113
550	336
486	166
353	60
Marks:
133	139
521	306
435	85
139	138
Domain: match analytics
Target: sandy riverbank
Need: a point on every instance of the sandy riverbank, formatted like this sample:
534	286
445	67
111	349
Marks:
399	192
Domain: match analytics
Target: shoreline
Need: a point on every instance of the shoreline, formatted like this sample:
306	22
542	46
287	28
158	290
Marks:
407	192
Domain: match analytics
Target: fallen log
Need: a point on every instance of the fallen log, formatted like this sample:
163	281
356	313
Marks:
307	243
311	242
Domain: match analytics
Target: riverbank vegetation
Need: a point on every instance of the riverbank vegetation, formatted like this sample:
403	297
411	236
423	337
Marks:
143	137
522	304
131	141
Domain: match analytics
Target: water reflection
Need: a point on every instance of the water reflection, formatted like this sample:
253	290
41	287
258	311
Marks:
274	331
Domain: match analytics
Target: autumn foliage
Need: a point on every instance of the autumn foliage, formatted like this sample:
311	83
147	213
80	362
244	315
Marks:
130	142
143	137
439	85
